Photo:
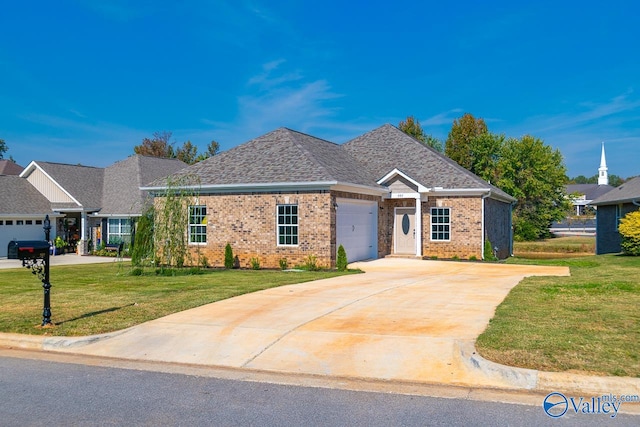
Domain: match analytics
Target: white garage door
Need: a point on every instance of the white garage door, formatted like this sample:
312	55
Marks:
357	228
18	229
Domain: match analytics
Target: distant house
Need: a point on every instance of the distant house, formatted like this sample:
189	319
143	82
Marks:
88	203
291	195
611	207
8	167
582	195
22	209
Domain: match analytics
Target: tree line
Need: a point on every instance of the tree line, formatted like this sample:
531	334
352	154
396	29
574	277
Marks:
526	168
162	146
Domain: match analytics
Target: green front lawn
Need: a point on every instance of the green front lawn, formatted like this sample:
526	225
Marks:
589	322
97	298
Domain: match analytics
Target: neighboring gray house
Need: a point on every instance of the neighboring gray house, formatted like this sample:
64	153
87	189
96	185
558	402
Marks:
88	203
122	198
291	195
22	209
74	192
611	207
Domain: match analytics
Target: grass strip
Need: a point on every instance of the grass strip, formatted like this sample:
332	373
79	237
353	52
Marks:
97	298
588	322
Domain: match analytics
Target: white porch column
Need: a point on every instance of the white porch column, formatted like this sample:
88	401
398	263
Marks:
83	248
419	225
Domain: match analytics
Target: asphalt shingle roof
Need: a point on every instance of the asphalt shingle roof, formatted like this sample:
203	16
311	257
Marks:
287	156
590	191
625	193
121	194
280	156
387	148
19	197
7	167
84	183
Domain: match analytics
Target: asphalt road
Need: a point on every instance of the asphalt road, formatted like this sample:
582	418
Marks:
44	392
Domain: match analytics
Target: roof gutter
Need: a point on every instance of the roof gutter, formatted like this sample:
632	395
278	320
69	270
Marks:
275	187
261	186
636	202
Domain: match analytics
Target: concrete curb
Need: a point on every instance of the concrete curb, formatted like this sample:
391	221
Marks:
504	376
47	343
480	372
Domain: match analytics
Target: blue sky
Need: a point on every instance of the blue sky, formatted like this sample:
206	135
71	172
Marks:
84	81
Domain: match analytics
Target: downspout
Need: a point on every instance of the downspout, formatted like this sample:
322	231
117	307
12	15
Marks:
511	205
484	196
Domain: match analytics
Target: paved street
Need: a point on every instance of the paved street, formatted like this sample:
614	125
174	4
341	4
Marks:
69	394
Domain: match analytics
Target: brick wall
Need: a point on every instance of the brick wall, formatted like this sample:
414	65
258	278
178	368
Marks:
248	222
466	228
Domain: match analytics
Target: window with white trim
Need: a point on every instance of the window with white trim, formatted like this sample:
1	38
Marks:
287	225
118	230
198	224
441	224
618	215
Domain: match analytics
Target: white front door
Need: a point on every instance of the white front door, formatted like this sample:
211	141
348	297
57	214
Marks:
405	231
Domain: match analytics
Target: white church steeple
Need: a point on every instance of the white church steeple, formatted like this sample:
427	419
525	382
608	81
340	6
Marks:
603	177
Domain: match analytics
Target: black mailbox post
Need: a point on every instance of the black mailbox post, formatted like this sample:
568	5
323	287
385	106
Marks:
35	255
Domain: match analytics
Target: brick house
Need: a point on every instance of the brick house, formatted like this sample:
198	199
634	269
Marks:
611	207
290	195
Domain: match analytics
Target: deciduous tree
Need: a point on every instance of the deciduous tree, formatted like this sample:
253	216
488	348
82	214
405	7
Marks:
3	148
158	146
162	146
535	174
412	127
188	153
212	150
458	146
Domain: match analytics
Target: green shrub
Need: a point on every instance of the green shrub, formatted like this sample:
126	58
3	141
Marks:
136	271
311	263
456	258
255	263
228	257
341	262
204	262
473	258
629	229
283	263
488	251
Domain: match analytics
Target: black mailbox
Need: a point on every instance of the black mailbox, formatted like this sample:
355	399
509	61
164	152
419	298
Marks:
12	250
32	249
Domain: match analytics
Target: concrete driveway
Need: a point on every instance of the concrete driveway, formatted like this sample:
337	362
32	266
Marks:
403	319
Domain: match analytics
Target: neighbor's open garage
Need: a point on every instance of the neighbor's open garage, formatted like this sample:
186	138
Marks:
357	228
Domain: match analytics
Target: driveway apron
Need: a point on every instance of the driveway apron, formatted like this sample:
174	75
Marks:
401	320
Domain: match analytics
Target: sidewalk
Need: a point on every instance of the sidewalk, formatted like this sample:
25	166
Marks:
66	259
